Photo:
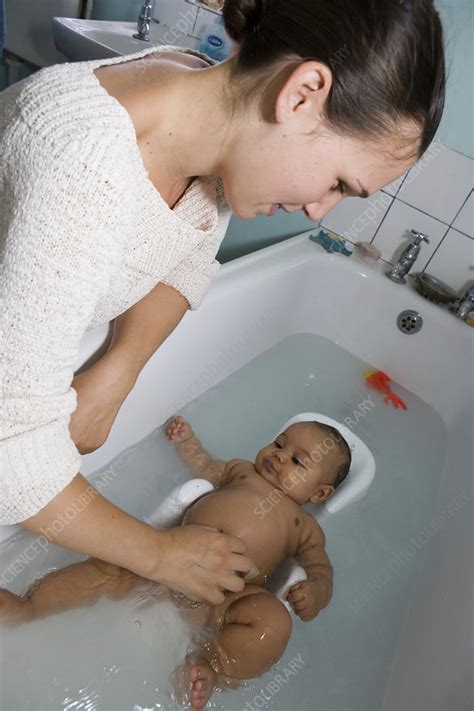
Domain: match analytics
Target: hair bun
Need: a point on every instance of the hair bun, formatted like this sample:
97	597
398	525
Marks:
241	17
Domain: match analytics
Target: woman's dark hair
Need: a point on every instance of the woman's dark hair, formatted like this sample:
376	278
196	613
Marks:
386	57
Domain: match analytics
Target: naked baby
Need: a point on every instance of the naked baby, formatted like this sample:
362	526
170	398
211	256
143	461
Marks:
259	502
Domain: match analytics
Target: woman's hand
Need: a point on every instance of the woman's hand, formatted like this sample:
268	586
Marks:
199	562
101	390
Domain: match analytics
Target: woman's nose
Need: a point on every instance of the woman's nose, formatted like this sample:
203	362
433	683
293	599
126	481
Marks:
314	211
317	210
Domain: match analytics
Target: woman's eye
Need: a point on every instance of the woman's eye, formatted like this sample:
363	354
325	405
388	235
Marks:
340	186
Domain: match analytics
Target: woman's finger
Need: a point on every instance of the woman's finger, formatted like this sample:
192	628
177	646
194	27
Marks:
240	564
238	546
232	583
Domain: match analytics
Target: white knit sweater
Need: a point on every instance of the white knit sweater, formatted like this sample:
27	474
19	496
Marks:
84	235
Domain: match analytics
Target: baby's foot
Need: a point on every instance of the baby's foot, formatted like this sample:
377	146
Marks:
194	682
178	430
201	678
13	609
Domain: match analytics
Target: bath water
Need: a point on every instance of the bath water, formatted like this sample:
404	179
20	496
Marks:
116	656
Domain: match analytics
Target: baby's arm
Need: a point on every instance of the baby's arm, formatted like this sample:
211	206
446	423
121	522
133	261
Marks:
312	595
78	585
193	454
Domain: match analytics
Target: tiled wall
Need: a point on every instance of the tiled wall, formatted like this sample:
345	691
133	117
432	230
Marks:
435	197
190	14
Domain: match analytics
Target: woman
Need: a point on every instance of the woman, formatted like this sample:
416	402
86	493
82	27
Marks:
117	177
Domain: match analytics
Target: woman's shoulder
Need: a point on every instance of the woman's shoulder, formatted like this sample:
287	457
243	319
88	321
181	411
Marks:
60	105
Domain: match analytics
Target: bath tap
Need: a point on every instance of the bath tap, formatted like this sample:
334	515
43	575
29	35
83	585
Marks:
407	258
144	21
465	304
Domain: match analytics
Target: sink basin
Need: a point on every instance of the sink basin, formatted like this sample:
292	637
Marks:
81	40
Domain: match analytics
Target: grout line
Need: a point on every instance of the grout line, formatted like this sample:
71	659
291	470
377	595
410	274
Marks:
447	224
460	209
439	245
441	222
464	234
383	219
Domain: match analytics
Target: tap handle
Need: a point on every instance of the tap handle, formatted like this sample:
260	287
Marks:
147	9
469	293
419	237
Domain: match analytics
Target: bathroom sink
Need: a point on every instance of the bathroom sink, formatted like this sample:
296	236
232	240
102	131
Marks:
81	40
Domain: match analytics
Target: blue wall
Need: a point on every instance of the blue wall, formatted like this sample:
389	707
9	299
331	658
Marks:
456	130
2	24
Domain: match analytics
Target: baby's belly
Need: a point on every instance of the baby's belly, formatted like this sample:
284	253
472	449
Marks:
238	513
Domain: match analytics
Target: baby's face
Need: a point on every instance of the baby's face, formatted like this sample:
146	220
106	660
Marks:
299	464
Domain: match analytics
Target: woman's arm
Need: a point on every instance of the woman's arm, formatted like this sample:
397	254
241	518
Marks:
191	559
102	388
141	330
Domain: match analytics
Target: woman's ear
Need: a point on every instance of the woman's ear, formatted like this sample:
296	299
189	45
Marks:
305	89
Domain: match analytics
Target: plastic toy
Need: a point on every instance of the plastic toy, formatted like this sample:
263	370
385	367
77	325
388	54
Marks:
331	244
380	381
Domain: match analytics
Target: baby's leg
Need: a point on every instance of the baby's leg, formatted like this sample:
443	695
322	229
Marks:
253	629
77	585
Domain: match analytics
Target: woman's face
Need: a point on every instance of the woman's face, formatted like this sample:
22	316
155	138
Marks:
289	162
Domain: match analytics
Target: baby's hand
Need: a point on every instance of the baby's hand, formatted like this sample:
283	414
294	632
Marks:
304	598
178	430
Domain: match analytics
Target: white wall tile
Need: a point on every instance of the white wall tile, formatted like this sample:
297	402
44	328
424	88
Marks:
393	188
357	219
439	183
204	18
464	222
453	262
394	234
172	12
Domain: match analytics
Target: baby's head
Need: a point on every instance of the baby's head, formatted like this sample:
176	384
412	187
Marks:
307	461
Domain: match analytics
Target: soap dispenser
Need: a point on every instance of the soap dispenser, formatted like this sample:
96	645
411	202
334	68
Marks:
216	43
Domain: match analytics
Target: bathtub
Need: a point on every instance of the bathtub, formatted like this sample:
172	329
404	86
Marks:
296	287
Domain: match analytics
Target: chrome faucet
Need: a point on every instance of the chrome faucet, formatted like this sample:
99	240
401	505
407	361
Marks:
144	21
465	304
407	258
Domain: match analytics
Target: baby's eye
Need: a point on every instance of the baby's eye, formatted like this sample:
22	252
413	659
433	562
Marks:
277	444
295	460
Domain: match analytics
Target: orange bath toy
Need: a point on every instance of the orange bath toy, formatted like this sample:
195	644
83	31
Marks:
380	381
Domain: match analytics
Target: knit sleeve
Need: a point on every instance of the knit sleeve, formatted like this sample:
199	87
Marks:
195	273
64	220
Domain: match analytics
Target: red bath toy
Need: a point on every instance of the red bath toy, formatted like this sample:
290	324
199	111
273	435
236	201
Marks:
380	381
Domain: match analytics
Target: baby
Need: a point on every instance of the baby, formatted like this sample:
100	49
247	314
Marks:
261	503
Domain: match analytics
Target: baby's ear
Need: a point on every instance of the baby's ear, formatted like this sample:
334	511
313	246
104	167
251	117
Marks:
323	493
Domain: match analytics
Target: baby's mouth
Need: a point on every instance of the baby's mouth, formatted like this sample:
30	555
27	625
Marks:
269	466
